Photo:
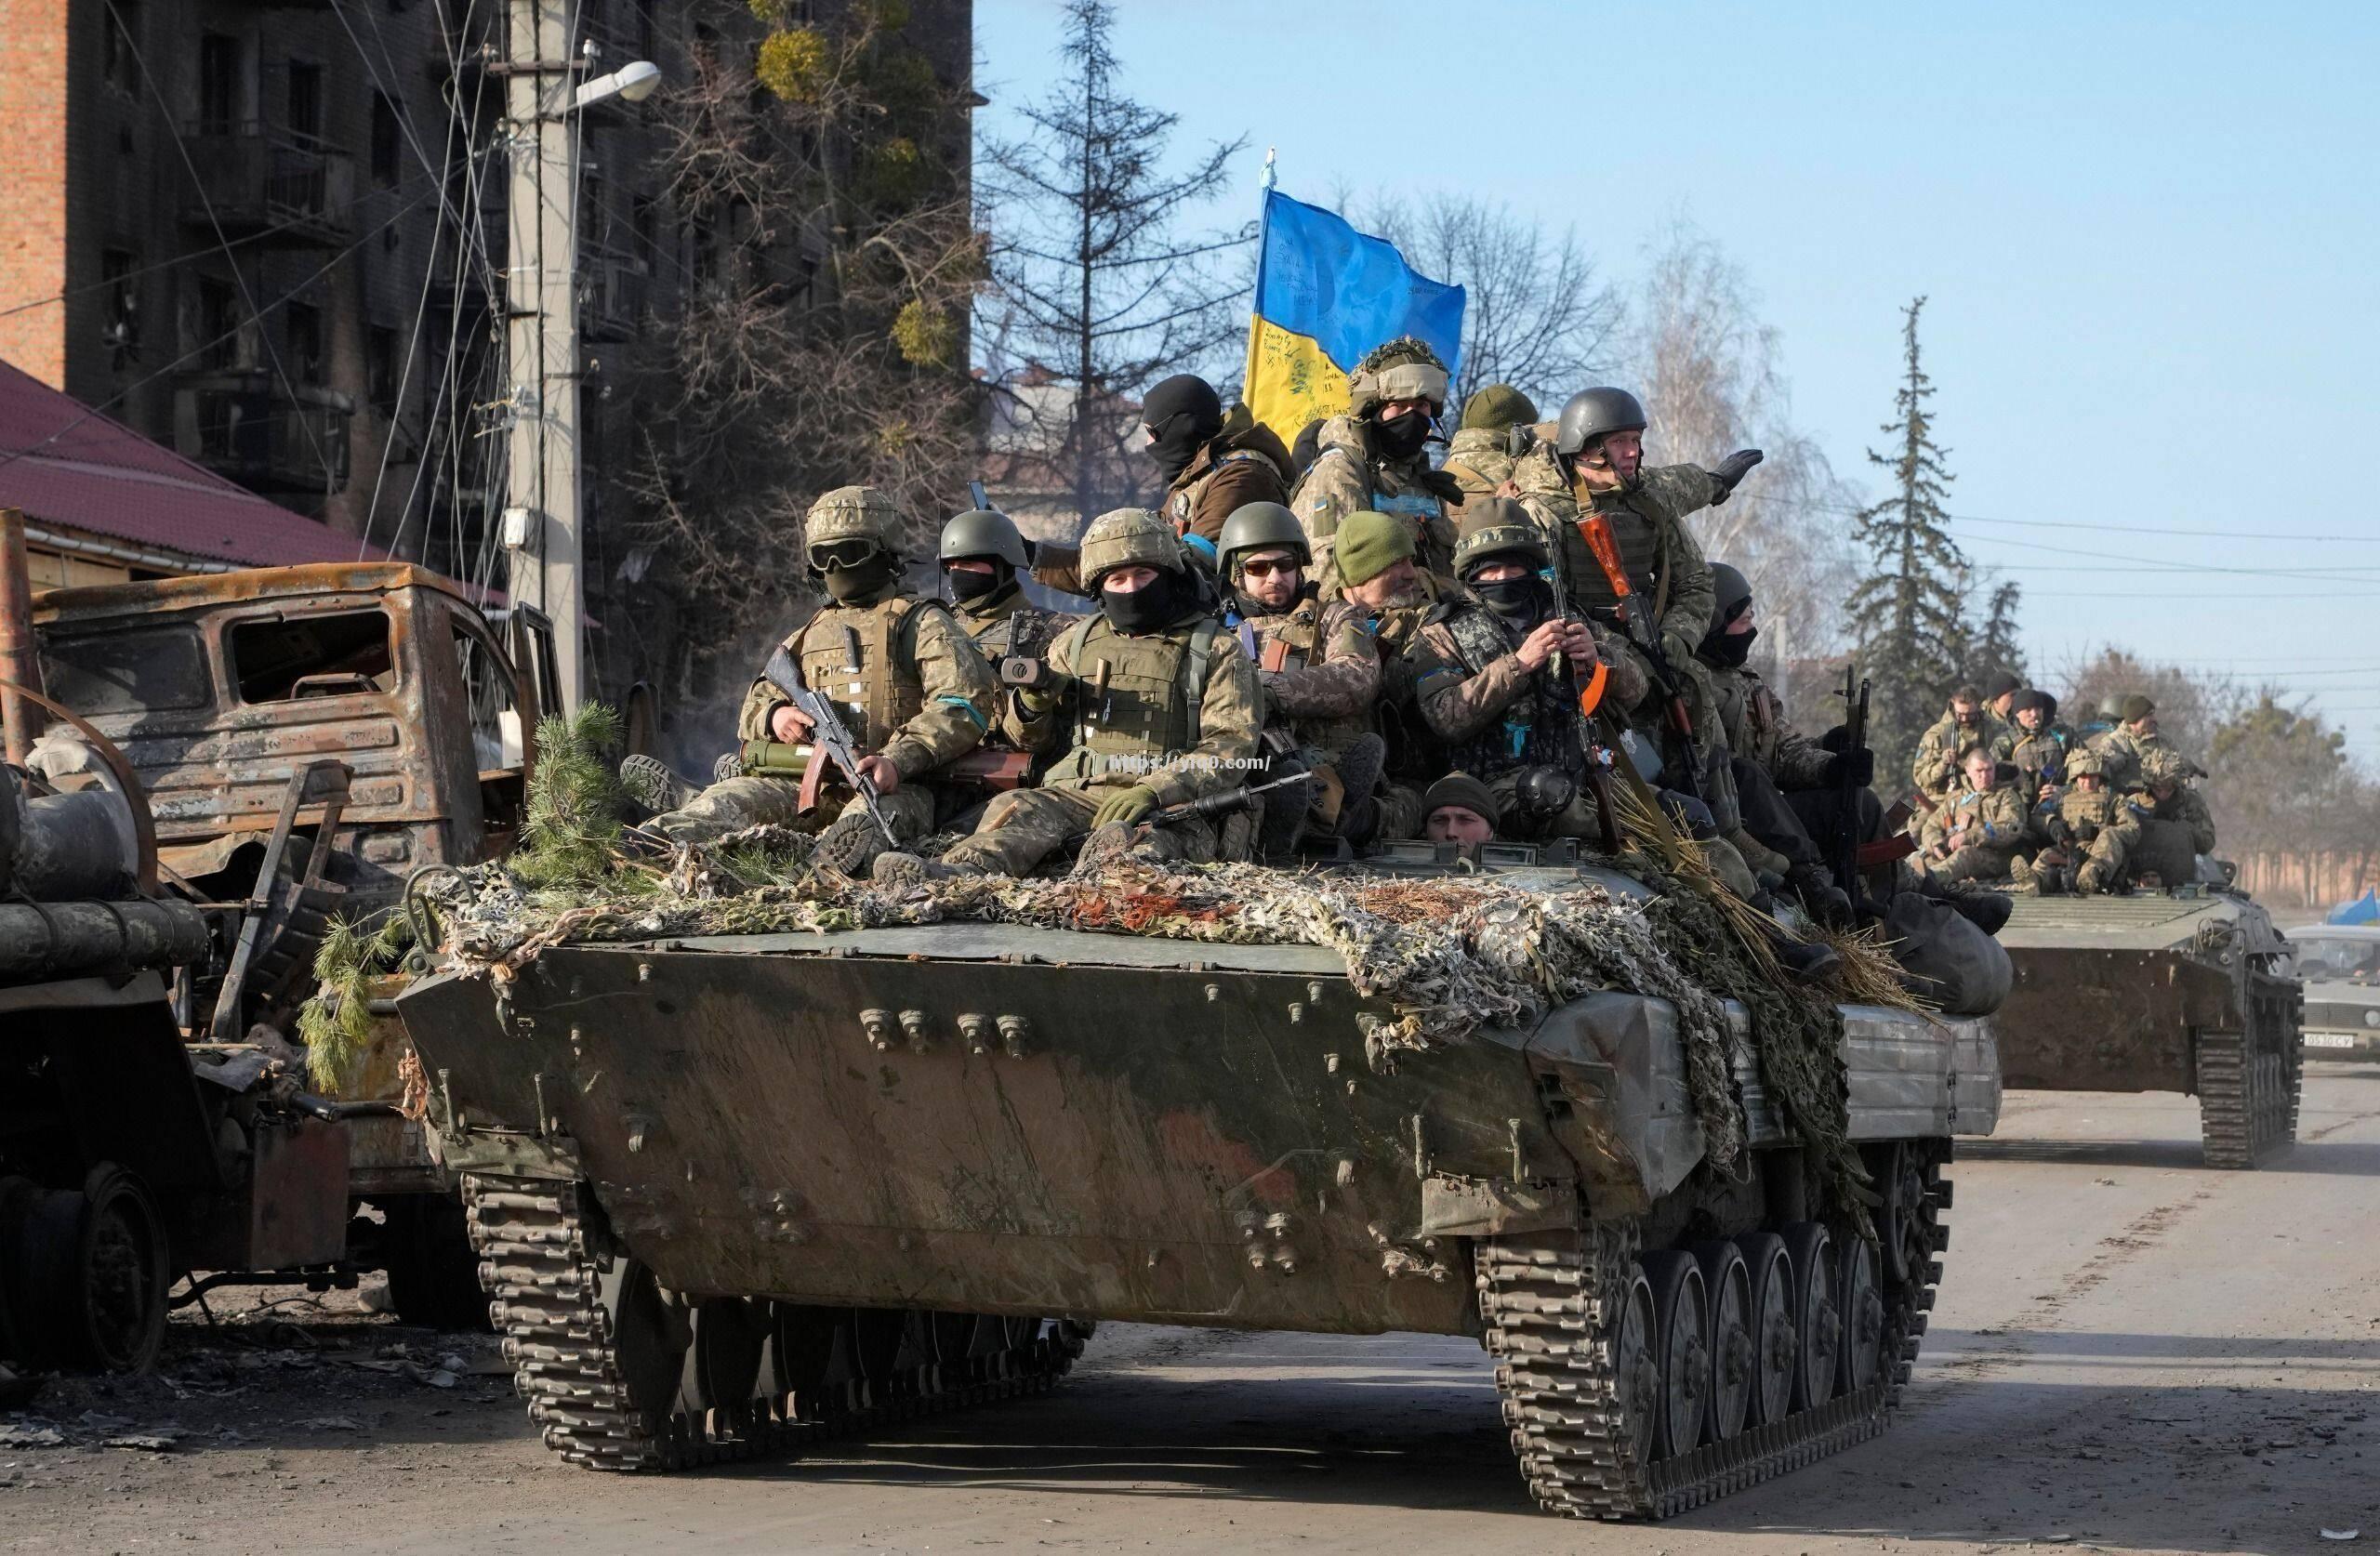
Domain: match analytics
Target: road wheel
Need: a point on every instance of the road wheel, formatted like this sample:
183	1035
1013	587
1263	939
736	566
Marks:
722	1366
1728	1281
1816	1314
1681	1325
1776	1334
802	1350
649	1336
1862	1303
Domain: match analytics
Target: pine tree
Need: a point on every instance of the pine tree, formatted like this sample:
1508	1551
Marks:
1908	606
1995	647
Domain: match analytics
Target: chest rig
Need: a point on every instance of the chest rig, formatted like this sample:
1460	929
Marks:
1539	728
847	656
1135	697
1639	542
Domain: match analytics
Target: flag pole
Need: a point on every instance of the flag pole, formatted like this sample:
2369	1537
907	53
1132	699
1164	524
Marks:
1265	179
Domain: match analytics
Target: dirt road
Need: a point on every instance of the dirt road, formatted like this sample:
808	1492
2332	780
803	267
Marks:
2131	1354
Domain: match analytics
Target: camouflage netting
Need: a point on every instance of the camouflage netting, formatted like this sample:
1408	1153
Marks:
1445	955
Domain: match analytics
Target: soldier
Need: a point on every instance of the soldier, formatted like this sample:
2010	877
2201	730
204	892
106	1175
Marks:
909	686
1978	834
2040	746
1214	464
1461	809
1319	663
2091	832
1479	455
1967	722
1391	598
1375	459
982	558
1770	760
2122	748
1486	683
2000	695
2166	776
1159	704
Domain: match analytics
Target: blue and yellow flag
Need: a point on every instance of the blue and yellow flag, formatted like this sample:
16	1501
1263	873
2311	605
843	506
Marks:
1325	295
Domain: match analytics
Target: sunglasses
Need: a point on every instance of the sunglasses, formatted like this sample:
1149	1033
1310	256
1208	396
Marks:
841	553
1264	567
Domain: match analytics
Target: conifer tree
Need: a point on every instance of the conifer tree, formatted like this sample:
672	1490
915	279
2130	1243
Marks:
1996	647
1911	626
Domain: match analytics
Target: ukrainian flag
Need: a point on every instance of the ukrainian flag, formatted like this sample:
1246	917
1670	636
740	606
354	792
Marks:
1326	295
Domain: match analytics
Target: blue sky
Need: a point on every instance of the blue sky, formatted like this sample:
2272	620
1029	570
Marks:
2148	235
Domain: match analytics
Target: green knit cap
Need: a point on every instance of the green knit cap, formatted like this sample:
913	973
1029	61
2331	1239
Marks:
1497	407
1370	544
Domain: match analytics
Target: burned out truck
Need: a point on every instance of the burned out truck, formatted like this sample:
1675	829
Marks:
739	1192
302	740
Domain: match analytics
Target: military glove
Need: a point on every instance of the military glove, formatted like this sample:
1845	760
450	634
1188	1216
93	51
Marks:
1857	768
1733	468
1127	806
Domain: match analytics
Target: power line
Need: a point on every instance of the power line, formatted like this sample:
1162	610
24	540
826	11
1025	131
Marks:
2110	529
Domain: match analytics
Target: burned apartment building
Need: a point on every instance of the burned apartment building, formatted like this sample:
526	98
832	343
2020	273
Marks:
269	235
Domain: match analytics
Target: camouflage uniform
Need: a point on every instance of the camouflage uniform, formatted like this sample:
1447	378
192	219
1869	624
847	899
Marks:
1005	623
1993	825
1174	711
2124	751
1936	767
2186	807
1477	461
1346	478
2095	829
1756	729
2040	757
909	685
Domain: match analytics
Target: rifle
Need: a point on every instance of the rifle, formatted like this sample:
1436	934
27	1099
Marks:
1855	739
1221	804
1643	631
1595	757
995	770
827	734
975	494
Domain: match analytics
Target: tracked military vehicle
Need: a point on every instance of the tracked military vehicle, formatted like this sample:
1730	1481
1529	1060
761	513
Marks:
738	1192
2188	990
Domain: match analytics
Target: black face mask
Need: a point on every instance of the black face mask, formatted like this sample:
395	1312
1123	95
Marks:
1143	608
1401	436
1523	601
966	585
856	586
1730	649
1178	441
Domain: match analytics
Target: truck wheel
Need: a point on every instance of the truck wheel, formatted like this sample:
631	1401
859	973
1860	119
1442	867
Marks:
433	1271
88	1271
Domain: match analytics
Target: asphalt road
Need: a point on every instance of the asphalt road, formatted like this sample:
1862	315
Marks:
2130	1353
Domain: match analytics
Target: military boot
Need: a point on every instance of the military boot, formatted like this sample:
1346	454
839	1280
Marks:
903	870
651	784
1804	961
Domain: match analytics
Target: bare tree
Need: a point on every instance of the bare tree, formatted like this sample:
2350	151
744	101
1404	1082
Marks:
1098	293
1711	378
1537	314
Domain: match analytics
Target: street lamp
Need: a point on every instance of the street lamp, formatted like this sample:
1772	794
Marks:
635	81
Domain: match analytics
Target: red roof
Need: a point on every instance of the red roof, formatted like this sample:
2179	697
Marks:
67	466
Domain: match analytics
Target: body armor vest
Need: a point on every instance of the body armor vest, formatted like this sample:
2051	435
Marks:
1539	728
1181	506
1284	641
1023	633
846	656
1639	542
2087	813
1135	697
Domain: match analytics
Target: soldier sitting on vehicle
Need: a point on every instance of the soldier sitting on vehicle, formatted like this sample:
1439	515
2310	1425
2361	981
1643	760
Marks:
2121	750
2090	829
908	685
1479	455
2165	774
984	559
1320	664
1999	692
1967	722
2041	742
1160	706
1214	462
1978	834
1375	459
1461	809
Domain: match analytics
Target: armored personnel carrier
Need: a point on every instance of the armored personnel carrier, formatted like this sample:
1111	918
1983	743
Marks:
739	1192
2189	990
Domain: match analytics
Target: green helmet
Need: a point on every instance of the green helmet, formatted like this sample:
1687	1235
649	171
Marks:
2134	708
1257	527
1129	537
984	531
1494	526
2111	706
1404	369
1497	407
2162	765
852	513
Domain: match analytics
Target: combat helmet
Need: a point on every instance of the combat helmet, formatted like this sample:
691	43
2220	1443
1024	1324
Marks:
1591	414
2162	764
1494	526
2084	762
2111	706
984	531
1129	537
852	513
1404	369
1259	526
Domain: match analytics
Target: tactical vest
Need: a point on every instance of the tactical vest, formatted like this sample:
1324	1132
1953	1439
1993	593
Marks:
1022	633
847	655
1290	641
1539	728
1639	541
1136	698
2087	813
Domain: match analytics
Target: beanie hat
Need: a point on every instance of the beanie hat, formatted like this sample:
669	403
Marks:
1370	544
1461	788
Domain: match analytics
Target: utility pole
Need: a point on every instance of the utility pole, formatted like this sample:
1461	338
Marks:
542	518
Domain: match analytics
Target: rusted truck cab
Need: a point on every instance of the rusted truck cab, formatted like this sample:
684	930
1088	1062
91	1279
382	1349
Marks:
223	689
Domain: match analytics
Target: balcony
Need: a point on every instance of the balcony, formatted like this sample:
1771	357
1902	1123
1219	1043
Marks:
282	189
611	295
242	425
